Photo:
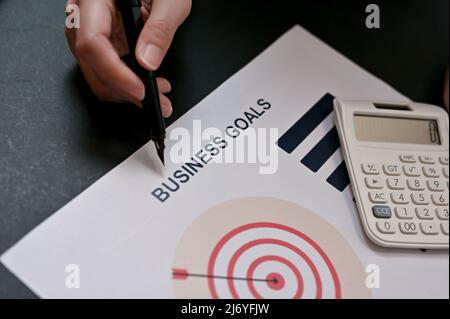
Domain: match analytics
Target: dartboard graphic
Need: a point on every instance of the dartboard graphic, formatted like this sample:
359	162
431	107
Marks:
273	262
265	248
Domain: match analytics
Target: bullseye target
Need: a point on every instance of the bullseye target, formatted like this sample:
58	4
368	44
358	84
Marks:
268	260
265	248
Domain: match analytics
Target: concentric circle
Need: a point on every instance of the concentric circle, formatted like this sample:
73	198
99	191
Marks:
261	247
275	280
319	256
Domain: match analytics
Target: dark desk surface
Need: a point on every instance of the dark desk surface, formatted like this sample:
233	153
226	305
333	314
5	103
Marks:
56	139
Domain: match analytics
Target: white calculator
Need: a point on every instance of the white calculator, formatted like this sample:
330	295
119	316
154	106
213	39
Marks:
397	156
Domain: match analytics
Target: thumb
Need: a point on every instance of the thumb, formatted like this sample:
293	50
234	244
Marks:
156	37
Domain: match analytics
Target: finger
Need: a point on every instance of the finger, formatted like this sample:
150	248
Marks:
164	86
112	71
102	92
155	39
166	106
95	49
109	95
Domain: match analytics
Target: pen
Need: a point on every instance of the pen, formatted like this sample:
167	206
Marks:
133	25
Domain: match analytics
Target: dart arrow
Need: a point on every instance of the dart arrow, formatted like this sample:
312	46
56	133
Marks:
180	274
183	274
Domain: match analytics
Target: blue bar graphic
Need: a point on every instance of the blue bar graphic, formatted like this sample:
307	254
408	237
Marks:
322	152
339	179
300	130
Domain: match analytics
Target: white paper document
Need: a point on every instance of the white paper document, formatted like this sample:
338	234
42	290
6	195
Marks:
199	229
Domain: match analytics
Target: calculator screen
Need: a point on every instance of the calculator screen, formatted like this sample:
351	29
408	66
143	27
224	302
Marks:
396	130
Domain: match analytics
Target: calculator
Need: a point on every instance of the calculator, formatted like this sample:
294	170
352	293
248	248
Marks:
397	157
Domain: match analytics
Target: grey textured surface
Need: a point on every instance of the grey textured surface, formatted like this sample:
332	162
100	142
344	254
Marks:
56	139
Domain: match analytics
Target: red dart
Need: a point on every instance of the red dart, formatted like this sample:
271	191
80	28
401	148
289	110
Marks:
180	274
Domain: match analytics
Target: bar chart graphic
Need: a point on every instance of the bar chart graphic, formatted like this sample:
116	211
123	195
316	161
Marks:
316	158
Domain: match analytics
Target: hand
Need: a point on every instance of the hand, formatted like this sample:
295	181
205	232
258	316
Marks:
100	42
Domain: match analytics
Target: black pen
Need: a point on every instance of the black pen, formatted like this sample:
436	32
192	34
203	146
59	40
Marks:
133	24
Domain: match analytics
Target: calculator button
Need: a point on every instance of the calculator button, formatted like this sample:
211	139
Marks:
408	158
445	171
408	228
416	185
420	199
444	228
411	171
382	212
392	169
371	169
431	172
386	227
444	160
399	198
429	228
403	213
426	159
374	183
378	197
442	213
424	213
440	199
436	186
396	183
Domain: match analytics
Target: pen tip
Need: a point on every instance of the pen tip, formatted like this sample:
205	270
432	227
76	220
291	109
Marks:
159	143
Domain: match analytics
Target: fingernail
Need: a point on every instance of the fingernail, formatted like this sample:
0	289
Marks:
142	95
139	95
136	95
152	56
169	110
169	87
138	103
